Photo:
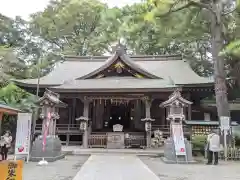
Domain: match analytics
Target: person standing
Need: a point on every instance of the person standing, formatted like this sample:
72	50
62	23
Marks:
213	147
6	145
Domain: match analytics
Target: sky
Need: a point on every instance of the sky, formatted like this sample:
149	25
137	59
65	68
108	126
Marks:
24	8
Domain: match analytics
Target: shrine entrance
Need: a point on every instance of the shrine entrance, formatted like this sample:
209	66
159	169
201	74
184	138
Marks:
120	114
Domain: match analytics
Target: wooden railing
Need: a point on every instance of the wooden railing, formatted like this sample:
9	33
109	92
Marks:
134	139
97	140
62	129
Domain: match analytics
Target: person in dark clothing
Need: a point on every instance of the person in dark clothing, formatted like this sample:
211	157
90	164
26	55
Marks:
4	152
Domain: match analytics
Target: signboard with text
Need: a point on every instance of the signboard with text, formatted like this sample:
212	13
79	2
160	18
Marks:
12	170
178	138
23	135
225	122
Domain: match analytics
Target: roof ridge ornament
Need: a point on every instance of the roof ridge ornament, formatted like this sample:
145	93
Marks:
119	48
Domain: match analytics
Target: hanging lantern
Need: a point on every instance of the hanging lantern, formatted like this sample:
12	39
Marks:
148	126
83	125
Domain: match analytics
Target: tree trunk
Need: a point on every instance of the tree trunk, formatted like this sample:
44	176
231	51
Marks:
219	65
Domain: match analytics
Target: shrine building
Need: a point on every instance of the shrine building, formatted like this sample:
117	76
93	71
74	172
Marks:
121	89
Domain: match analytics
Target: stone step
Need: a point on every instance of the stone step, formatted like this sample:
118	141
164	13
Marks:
139	152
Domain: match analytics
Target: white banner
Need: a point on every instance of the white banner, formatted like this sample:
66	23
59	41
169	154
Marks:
23	135
225	123
178	138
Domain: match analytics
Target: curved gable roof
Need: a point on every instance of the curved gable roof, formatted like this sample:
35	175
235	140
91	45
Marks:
167	67
125	59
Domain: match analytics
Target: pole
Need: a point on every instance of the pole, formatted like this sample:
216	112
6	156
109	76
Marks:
225	144
1	119
35	116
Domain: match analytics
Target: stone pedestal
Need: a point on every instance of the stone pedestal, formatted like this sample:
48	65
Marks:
115	140
53	149
170	155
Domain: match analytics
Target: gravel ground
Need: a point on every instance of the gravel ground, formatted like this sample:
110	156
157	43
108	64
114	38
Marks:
64	169
224	171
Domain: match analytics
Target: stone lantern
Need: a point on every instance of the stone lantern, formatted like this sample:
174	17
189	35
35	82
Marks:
176	148
175	106
48	145
83	123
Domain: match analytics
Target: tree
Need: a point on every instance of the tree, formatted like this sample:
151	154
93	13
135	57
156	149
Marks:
215	11
71	27
164	36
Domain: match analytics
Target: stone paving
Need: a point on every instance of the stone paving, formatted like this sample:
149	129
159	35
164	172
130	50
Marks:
64	169
115	167
124	167
224	171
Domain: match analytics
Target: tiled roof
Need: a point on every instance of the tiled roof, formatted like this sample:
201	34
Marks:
169	68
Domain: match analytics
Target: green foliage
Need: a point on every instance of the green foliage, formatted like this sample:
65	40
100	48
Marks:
16	97
232	48
71	26
199	142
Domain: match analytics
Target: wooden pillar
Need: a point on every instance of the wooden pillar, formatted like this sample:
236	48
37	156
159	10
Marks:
1	119
148	104
189	112
137	115
69	114
99	114
67	139
73	111
86	115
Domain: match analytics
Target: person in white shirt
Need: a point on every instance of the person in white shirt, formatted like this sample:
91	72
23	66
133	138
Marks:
6	144
213	147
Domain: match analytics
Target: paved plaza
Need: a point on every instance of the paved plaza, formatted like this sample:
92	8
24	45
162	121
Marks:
126	167
224	171
64	169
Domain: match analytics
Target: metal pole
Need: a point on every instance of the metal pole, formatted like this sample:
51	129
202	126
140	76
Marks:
37	92
225	144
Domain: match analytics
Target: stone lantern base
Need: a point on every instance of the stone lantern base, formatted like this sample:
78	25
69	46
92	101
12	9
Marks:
169	153
53	149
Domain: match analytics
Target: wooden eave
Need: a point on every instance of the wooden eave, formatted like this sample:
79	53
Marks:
9	110
22	84
142	90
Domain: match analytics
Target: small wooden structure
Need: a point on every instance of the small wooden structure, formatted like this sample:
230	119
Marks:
5	109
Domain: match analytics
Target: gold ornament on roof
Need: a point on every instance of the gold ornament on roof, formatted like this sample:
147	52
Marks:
119	65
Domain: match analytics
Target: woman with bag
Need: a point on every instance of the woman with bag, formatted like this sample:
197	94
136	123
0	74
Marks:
6	145
213	147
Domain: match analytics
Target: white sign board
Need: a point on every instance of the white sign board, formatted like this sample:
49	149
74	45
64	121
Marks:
23	135
225	123
178	138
